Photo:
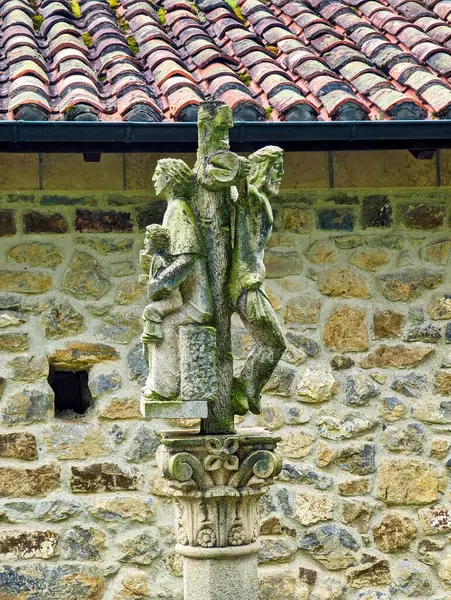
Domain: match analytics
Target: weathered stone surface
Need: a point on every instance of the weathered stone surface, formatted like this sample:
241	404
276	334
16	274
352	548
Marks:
278	586
387	323
107	245
121	408
13	342
343	283
57	510
17	482
102	477
133	585
313	508
120	328
277	550
324	454
82	543
51	581
360	389
304	474
143	445
394	532
104	383
328	589
440	307
407	438
410	385
78	356
123	509
346	242
61	319
10	319
45	256
344	428
440	448
99	221
18	445
85	277
437	253
370	260
302	310
409	284
26	407
32	544
332	546
412	580
282	381
336	219
358	459
442	383
354	487
345	330
321	253
428	549
36	222
424	333
29	368
271	418
316	386
376	574
282	264
141	549
422	216
400	357
129	292
408	481
303	342
444	569
7	222
341	363
433	411
75	441
296	445
296	219
376	211
391	409
435	520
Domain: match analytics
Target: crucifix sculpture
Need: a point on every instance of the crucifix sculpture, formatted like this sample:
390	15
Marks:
204	263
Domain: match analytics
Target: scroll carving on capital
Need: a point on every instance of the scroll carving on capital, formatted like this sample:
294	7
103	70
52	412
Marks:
216	483
204	263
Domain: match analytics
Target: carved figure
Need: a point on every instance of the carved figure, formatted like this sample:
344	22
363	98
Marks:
154	259
185	271
253	227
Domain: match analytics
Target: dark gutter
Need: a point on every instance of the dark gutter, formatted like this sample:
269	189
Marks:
101	137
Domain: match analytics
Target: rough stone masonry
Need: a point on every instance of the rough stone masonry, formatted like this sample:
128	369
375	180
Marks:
362	400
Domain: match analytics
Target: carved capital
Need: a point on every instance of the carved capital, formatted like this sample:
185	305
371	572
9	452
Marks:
216	483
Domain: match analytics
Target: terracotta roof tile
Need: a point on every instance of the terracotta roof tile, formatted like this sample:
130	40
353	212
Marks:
304	59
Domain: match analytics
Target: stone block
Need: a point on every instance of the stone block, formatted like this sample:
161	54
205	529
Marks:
343	283
82	543
394	532
7	222
374	575
61	319
354	487
27	406
435	520
332	546
440	307
316	386
103	477
321	253
78	356
282	264
442	383
336	219
37	222
302	310
18	445
376	211
143	445
296	445
69	441
123	509
437	253
29	368
19	171
422	216
13	342
313	508
71	172
107	245
369	260
357	458
18	545
35	254
410	284
18	482
346	331
276	551
382	169
121	408
150	213
141	549
24	282
387	323
400	357
408	481
296	220
51	581
102	221
85	277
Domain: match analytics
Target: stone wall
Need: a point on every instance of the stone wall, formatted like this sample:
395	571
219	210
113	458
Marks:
358	270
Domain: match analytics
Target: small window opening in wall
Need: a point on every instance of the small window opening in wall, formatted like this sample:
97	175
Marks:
72	394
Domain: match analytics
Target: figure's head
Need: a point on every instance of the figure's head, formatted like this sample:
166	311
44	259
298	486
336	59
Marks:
157	239
172	176
267	169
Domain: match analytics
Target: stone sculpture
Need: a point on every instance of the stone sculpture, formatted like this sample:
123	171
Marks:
203	264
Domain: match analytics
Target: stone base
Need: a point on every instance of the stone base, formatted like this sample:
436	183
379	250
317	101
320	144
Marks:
173	409
229	574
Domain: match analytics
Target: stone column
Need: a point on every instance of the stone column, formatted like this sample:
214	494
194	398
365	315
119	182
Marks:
216	482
